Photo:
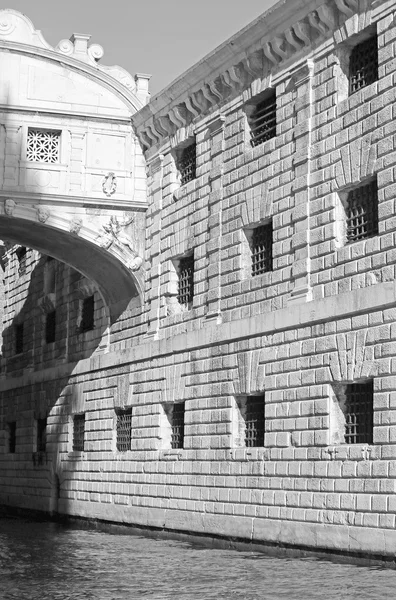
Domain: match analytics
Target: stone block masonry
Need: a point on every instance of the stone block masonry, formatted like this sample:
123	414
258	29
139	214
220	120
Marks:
260	403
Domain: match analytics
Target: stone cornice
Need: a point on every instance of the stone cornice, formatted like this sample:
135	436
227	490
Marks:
287	31
33	199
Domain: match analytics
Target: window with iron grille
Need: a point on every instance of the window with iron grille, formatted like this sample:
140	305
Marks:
359	413
177	425
186	281
362	212
262	121
43	145
363	64
261	247
18	332
12	437
78	433
254	421
124	429
21	254
42	435
50	327
187	163
87	314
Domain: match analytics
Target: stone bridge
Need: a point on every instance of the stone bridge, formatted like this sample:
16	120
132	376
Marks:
72	174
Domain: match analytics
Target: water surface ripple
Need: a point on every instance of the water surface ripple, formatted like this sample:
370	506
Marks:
48	561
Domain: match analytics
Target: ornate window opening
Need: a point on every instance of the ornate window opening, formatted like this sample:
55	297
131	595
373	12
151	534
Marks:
363	64
43	145
186	281
78	432
261	248
177	425
362	212
18	332
254	421
41	440
21	254
11	426
359	413
87	314
50	327
124	429
262	120
187	163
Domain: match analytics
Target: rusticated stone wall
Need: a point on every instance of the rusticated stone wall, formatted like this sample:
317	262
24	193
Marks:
324	317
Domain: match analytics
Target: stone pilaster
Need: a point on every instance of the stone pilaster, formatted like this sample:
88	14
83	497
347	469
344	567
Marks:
301	269
215	207
77	183
12	155
154	226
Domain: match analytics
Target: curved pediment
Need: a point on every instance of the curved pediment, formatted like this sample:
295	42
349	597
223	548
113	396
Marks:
71	69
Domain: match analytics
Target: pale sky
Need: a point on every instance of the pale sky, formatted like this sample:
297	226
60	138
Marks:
160	37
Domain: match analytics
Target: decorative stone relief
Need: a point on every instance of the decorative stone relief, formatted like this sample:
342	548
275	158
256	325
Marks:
96	52
43	214
9	207
7	24
249	374
113	234
109	185
47	303
65	47
174	383
353	360
75	225
85	288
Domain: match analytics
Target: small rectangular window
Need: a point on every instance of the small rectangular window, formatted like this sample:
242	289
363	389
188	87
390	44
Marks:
262	120
43	145
78	433
363	64
87	314
261	247
359	413
362	212
21	254
18	331
11	437
177	425
124	429
186	281
187	163
254	418
42	435
50	327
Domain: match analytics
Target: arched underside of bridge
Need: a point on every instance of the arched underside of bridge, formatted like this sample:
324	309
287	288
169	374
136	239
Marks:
116	283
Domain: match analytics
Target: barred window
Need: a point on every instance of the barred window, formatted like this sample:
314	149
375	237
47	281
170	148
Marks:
262	121
42	435
18	333
186	280
11	426
359	413
87	314
261	247
363	65
187	163
177	425
50	327
21	254
43	145
124	429
78	432
362	212
254	421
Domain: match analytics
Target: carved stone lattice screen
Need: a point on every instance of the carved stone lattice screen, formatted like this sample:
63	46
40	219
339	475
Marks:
43	146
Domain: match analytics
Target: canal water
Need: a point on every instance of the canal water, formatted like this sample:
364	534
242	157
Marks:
49	561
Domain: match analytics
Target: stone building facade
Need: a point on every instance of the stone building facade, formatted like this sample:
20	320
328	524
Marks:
248	388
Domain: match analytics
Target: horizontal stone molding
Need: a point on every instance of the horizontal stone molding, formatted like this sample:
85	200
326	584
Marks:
360	301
